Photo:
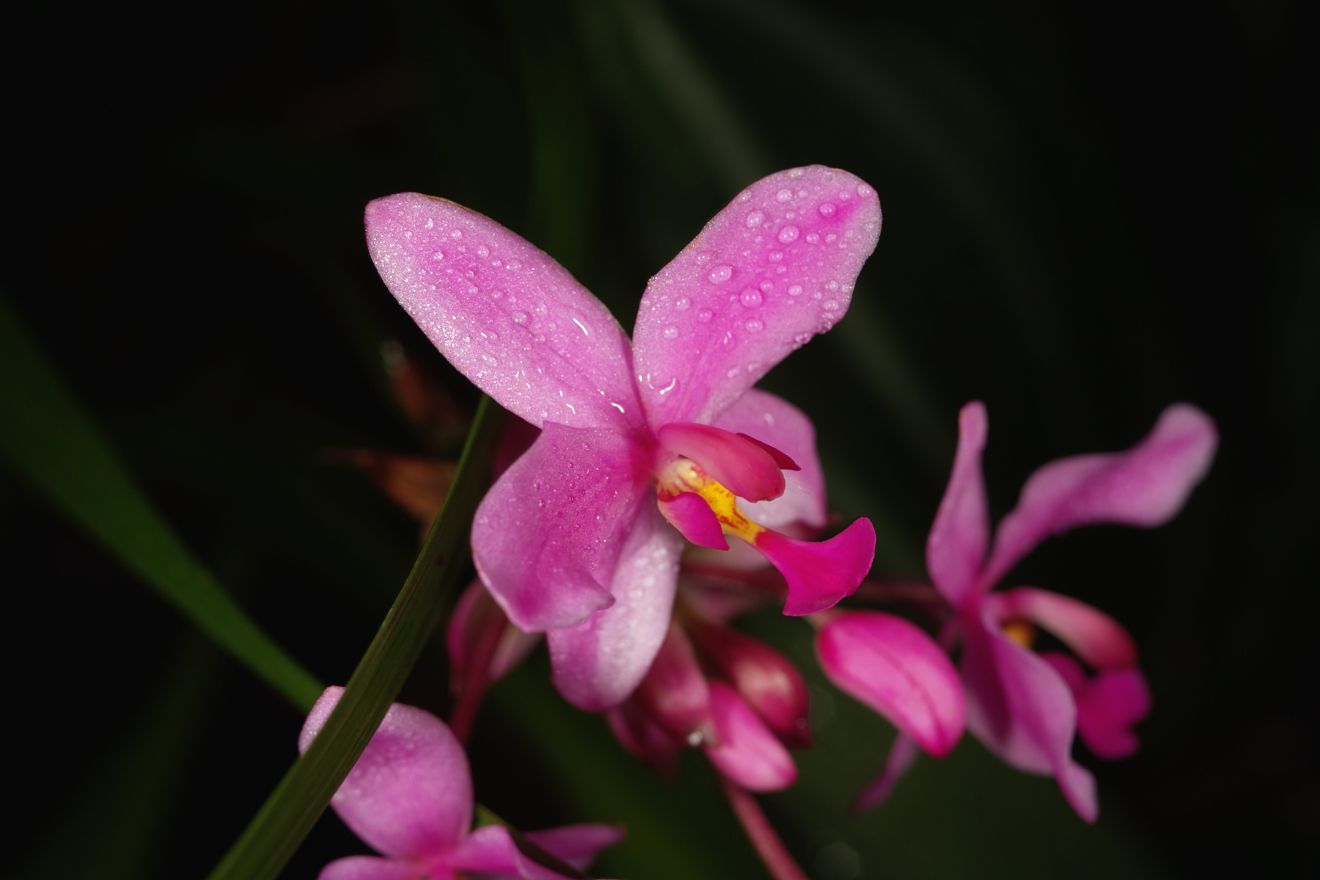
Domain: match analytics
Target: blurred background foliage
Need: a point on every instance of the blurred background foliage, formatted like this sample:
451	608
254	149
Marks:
1091	211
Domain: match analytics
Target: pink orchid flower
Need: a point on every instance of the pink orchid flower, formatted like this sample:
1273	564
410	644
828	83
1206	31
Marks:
645	443
410	797
1024	706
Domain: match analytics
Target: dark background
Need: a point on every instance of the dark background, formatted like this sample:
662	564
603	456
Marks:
1090	213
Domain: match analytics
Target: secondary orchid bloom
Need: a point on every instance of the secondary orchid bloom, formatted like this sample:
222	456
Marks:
410	797
1025	706
645	443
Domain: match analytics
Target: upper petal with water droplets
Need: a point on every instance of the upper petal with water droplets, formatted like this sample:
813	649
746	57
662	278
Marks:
410	793
601	660
548	534
772	420
955	547
1144	486
503	312
771	270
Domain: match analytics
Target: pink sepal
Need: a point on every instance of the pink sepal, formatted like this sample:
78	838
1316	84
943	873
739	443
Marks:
819	574
747	753
374	868
892	666
956	546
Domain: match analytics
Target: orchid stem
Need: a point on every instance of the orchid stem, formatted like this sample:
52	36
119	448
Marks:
762	834
476	678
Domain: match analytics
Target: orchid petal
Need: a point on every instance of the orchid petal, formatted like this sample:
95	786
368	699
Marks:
473	614
1094	636
765	679
902	755
747	752
955	548
372	868
643	738
504	313
770	419
410	793
577	844
1108	705
691	515
490	850
820	574
771	270
601	660
1144	486
742	465
892	666
1021	709
674	691
547	535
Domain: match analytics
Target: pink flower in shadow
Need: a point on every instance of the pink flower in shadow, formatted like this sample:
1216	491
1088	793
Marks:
410	797
642	443
1026	707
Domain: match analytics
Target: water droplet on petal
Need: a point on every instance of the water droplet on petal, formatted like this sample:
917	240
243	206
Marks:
775	256
456	234
788	234
438	256
795	290
519	317
755	325
751	297
483	251
802	338
754	219
826	209
705	315
670	332
729	339
830	305
513	265
731	373
795	173
720	274
784	195
863	190
682	303
429	224
831	285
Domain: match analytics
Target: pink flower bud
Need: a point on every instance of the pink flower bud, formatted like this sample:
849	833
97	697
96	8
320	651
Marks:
675	694
763	677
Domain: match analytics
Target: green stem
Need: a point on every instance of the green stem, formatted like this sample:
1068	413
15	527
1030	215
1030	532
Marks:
298	801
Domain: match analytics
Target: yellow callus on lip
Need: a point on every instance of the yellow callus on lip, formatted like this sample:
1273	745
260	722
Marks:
1020	631
684	475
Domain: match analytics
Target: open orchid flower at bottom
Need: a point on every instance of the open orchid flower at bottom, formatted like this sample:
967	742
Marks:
410	797
1026	707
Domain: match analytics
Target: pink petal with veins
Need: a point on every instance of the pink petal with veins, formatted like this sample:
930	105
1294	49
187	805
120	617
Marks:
819	574
547	536
767	273
1093	635
892	666
774	421
692	516
504	313
744	466
955	548
410	793
601	660
1023	711
1144	486
747	753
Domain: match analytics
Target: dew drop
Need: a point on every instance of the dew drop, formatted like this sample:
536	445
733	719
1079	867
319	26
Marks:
751	297
671	332
788	234
513	265
802	338
795	173
831	285
826	209
812	238
795	290
775	256
754	219
682	303
438	256
766	286
720	274
754	325
483	251
519	317
705	315
784	195
830	305
863	190
729	339
456	234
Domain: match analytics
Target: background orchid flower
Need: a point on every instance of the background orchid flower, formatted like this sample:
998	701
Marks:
410	797
1026	707
573	539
